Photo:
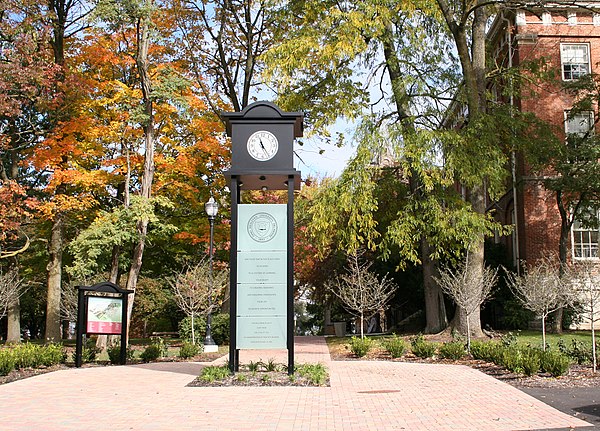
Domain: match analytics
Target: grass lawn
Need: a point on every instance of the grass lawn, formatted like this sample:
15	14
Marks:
534	338
524	338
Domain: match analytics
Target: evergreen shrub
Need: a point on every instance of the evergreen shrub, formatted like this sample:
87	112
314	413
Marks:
189	350
453	350
395	346
422	348
220	328
360	346
7	362
554	362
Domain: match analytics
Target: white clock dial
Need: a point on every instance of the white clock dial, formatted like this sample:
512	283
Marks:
262	145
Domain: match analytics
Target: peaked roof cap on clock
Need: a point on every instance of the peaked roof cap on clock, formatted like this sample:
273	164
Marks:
263	110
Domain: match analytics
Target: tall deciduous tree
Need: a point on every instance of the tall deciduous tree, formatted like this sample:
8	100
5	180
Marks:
56	153
318	64
221	43
27	73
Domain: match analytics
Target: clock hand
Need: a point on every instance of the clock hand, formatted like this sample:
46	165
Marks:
263	147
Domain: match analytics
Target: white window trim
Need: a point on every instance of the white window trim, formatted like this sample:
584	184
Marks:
547	18
596	19
581	258
572	18
591	117
562	62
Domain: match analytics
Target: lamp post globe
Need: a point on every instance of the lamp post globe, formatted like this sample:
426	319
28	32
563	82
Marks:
211	208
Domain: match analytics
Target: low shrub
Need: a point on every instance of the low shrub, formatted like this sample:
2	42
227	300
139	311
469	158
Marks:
453	350
422	348
395	346
151	353
189	350
579	351
512	359
114	353
212	373
185	328
360	346
52	354
554	362
220	328
531	361
7	362
316	373
481	350
163	347
89	351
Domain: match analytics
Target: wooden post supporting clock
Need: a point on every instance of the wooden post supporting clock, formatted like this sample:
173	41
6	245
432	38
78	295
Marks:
262	236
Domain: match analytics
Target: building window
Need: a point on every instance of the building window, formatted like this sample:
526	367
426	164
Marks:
579	123
547	18
572	18
575	60
584	235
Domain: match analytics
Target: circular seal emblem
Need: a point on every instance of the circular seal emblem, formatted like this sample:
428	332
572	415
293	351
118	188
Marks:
262	227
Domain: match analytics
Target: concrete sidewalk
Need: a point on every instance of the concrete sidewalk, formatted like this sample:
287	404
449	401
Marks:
364	395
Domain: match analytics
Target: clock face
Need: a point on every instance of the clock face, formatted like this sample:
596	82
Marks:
262	145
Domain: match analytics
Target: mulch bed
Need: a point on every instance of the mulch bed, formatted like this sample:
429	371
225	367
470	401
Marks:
578	375
247	378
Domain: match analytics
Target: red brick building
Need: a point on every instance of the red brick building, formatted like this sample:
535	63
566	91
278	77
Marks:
568	39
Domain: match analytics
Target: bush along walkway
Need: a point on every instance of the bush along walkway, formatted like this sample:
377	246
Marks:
363	395
504	358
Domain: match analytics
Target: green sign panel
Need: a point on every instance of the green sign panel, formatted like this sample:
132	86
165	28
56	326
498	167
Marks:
262	267
261	332
261	300
262	277
262	227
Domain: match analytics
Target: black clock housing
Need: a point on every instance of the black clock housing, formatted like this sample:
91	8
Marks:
260	174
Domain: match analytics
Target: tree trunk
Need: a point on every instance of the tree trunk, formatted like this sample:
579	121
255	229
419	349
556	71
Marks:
143	42
459	323
14	322
557	321
54	268
435	308
563	247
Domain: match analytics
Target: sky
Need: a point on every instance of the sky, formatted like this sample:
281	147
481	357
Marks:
320	159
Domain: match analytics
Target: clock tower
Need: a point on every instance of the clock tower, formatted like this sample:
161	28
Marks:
262	235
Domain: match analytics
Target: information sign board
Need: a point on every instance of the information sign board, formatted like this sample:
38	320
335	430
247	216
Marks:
262	277
104	315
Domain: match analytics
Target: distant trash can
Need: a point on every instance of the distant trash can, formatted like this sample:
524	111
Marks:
340	329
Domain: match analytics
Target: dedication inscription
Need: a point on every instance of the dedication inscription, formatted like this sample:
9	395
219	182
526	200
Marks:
262	277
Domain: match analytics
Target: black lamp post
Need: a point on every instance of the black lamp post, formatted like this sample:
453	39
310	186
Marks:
212	208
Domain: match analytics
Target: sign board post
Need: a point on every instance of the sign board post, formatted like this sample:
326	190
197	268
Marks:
99	313
262	235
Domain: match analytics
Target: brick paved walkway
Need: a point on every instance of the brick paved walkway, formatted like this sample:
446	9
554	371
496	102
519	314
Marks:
364	395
